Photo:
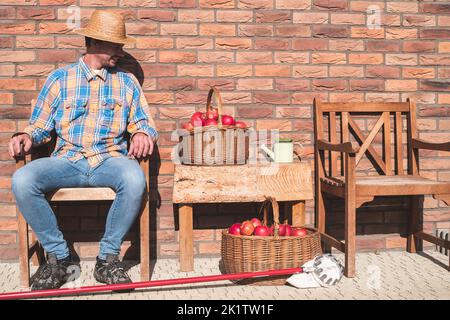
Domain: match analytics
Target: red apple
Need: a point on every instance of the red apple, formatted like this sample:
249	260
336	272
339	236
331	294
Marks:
285	230
197	119
187	126
210	122
235	229
256	222
261	231
241	124
299	232
227	120
247	228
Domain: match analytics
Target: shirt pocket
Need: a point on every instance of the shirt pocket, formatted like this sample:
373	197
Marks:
111	115
73	110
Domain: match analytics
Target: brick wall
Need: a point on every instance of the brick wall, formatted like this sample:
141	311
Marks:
269	57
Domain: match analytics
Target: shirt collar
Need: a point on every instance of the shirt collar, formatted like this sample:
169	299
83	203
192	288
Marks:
91	74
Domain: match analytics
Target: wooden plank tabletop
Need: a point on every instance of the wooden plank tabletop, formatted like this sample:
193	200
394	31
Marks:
242	183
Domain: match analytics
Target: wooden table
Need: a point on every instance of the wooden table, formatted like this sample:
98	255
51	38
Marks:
241	183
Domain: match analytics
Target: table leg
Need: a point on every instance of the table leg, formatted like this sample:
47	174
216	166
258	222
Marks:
186	238
298	213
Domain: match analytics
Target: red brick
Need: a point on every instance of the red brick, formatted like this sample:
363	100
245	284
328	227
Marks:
419	73
370	242
441	8
430	85
292	31
138	3
310	71
17	28
9	253
418	46
6	98
216	29
309	44
346	71
382	97
330	4
195	16
159	70
194	43
434	111
432	60
271	97
255	4
267	16
8	224
190	97
40	70
325	31
7	13
444	47
254	84
383	46
293	112
54	28
331	58
329	85
70	43
366	85
195	70
254	57
365	58
34	42
233	43
444	98
255	30
155	43
35	13
399	33
293	4
346	96
419	20
17	84
362	6
177	3
17	56
348	18
223	84
282	125
272	71
433	34
217	3
401	59
346	45
290	57
8	238
364	32
234	70
444	21
57	56
156	15
179	29
254	112
291	84
144	28
236	98
310	17
177	56
382	72
6	42
401	85
215	57
402	7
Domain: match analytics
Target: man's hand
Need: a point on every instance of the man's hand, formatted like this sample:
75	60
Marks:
141	145
15	142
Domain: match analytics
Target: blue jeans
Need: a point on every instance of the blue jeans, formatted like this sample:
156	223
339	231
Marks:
123	175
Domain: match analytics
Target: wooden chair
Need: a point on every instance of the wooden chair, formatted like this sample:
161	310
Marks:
34	251
339	177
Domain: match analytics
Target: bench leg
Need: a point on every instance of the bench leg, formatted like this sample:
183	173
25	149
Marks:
24	263
413	243
321	218
350	238
144	225
186	238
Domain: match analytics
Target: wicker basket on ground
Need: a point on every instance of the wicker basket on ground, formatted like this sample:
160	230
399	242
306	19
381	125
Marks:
256	253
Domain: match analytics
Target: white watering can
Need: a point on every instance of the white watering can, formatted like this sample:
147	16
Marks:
283	151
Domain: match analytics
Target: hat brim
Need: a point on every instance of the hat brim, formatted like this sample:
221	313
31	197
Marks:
87	33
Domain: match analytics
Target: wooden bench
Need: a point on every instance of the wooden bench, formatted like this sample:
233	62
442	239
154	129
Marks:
289	183
34	250
336	160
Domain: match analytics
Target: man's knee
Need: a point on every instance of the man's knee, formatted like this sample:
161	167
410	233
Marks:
22	181
133	181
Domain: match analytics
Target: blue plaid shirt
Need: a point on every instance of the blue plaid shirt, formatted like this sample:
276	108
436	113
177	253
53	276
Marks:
90	112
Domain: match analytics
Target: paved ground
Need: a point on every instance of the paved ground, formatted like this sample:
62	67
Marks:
384	275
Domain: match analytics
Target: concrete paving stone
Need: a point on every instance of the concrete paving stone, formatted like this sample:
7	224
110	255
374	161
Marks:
401	276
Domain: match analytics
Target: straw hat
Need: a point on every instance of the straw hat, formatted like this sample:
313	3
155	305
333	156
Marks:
107	26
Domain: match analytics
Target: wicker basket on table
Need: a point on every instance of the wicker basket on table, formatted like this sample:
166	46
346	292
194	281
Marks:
256	253
215	145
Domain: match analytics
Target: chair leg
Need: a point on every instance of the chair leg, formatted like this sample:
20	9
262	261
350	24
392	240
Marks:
414	244
24	263
38	255
145	242
350	237
321	219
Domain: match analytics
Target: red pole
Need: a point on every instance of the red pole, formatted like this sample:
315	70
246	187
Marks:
145	284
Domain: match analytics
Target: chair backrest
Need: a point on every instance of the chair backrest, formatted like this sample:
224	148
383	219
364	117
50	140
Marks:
348	122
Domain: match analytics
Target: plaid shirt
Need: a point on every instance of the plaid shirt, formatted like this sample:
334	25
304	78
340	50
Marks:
90	113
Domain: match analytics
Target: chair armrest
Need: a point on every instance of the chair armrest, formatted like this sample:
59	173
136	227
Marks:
345	147
421	144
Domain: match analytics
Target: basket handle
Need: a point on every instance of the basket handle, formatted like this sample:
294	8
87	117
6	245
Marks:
218	97
276	213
